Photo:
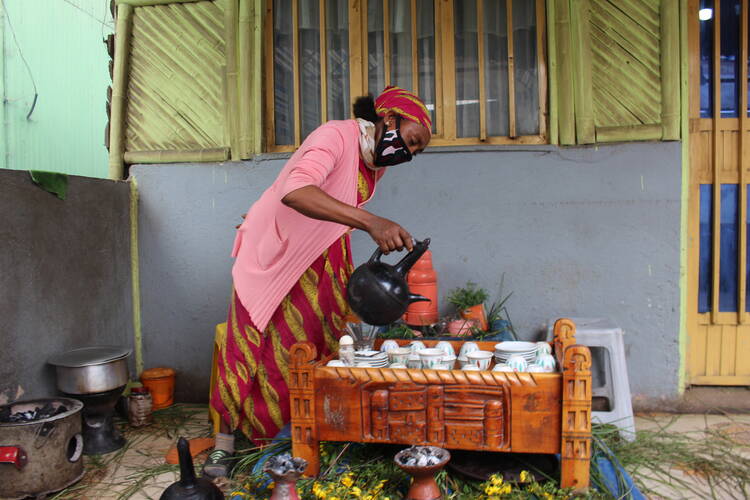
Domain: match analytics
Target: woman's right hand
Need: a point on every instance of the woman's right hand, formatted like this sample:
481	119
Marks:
389	235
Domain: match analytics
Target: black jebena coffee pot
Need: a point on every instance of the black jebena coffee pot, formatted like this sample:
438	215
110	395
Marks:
378	292
190	487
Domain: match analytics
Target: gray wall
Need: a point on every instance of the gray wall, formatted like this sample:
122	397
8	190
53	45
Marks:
576	231
64	276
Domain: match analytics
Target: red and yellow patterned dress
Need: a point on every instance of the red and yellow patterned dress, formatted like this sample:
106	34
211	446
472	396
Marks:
253	366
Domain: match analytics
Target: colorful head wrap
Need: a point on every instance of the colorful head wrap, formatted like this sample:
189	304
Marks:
403	103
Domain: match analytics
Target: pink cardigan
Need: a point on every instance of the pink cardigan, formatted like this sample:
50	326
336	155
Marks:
276	244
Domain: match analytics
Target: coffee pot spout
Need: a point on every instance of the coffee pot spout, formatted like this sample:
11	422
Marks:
413	297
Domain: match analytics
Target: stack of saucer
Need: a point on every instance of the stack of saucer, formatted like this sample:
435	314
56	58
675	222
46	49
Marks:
370	359
504	350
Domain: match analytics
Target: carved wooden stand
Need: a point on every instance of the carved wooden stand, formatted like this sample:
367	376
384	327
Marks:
453	409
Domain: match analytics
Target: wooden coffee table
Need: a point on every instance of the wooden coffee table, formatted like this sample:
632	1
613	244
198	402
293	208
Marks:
453	409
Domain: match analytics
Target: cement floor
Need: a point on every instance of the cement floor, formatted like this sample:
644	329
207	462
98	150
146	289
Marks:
139	471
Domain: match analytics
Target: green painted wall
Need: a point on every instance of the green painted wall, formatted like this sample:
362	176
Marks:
62	43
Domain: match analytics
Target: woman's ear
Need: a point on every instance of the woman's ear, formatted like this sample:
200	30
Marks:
389	120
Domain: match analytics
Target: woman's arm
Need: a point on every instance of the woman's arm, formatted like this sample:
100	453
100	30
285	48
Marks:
315	203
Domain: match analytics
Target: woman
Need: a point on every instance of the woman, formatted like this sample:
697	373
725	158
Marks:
293	259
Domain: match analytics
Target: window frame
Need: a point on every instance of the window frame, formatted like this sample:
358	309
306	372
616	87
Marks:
445	79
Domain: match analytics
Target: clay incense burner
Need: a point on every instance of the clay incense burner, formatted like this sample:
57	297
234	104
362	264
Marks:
285	471
422	463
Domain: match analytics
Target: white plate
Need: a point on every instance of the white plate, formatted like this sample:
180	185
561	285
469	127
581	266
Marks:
515	346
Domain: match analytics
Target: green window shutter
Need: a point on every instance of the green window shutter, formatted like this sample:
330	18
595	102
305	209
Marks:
617	70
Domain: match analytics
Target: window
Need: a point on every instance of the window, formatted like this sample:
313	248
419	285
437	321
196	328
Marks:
479	65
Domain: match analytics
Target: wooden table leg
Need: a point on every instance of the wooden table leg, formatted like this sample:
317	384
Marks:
302	398
576	418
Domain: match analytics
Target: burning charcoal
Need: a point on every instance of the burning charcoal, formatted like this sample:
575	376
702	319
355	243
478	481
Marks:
45	411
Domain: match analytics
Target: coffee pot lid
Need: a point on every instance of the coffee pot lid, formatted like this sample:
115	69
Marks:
88	356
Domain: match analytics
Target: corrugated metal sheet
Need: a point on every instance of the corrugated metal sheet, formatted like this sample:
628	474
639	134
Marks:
626	71
176	96
61	42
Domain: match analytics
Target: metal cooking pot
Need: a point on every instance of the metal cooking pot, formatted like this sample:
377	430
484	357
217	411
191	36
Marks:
40	456
91	370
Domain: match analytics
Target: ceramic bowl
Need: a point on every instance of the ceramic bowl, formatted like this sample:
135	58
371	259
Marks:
399	355
470	368
543	348
430	358
536	369
397	365
463	361
414	362
388	345
446	347
468	347
336	362
502	367
547	361
480	358
517	363
416	346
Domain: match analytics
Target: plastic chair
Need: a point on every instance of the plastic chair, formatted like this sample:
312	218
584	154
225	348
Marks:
219	337
609	372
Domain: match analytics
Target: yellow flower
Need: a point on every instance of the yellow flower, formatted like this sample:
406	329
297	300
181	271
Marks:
548	496
492	490
496	480
525	476
356	492
505	489
347	480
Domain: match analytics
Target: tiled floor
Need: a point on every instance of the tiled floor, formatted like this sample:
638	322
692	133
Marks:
139	471
697	427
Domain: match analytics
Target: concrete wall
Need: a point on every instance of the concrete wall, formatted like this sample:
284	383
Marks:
577	232
67	62
64	276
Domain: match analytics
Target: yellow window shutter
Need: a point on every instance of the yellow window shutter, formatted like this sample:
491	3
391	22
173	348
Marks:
186	83
617	66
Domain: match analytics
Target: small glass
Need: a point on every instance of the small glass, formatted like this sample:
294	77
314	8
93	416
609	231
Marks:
363	335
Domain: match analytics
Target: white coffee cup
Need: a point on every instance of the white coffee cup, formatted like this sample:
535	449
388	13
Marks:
416	346
414	362
517	363
547	361
468	347
336	363
446	347
430	358
543	348
399	355
480	358
387	345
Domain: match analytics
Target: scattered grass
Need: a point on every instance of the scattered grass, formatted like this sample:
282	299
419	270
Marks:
667	463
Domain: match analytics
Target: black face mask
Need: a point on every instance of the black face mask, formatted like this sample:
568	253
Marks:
391	150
